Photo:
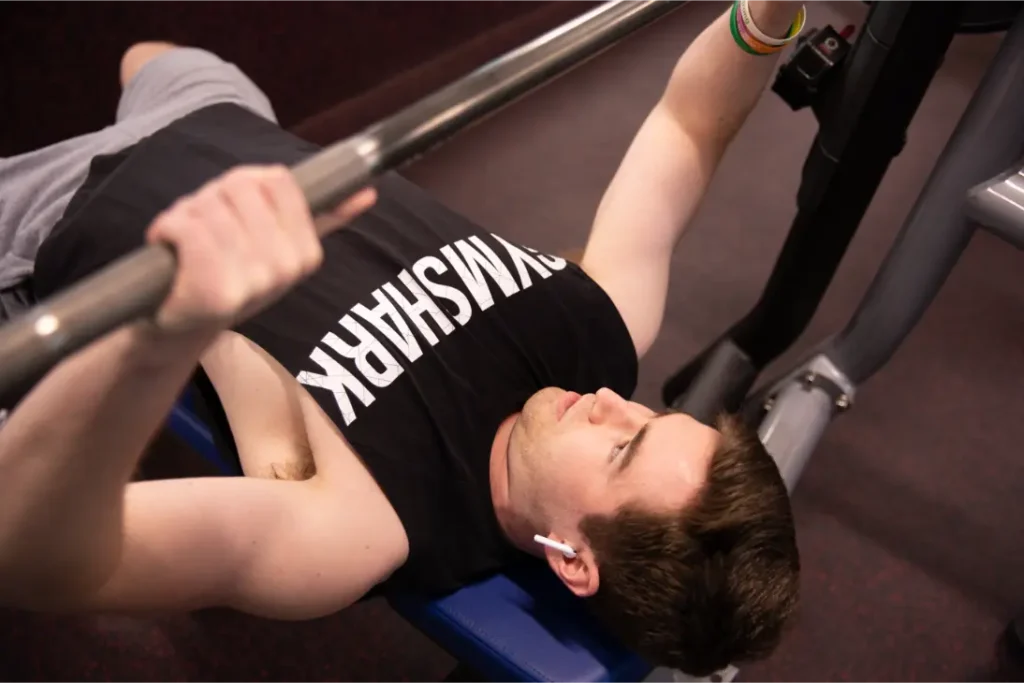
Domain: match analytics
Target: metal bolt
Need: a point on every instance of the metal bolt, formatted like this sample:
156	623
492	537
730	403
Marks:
769	403
842	402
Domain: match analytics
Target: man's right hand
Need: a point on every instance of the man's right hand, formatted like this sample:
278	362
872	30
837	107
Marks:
69	530
242	241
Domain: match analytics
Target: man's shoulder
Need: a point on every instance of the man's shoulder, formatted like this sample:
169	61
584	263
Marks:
234	134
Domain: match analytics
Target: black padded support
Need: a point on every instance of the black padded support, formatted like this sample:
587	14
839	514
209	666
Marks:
728	369
1013	638
986	16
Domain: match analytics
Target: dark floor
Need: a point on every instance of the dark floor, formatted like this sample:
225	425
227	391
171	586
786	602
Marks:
910	516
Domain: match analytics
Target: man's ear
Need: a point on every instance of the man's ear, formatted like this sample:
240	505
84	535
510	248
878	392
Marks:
579	574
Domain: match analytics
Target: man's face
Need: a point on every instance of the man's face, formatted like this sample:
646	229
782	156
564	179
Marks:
578	455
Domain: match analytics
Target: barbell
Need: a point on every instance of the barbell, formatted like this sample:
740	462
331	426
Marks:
135	285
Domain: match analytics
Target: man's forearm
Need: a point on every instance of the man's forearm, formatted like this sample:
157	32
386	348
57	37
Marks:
716	84
69	449
669	165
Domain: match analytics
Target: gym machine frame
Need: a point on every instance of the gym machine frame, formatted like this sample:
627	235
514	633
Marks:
863	112
978	181
971	184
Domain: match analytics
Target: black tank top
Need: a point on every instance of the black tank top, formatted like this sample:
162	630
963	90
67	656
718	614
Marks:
419	335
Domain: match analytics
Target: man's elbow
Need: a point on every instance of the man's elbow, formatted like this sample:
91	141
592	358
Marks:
709	137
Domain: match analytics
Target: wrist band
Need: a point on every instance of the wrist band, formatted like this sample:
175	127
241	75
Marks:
754	41
758	34
743	38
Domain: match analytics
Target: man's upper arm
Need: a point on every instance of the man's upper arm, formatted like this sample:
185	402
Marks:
278	549
652	197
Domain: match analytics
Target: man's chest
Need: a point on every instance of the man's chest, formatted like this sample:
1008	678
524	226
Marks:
393	320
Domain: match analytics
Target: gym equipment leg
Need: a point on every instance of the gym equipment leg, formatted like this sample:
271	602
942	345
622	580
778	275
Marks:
1013	638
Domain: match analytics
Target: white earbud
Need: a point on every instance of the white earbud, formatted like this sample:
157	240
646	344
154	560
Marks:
561	547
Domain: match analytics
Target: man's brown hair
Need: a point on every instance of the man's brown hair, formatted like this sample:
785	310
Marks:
712	584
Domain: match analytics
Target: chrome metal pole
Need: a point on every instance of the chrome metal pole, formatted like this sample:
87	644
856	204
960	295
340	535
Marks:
135	285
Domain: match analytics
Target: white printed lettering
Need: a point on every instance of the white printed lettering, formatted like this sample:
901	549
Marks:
521	259
553	262
471	276
402	337
416	309
367	347
465	309
473	261
336	381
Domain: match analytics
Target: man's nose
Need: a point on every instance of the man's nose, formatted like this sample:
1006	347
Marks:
610	408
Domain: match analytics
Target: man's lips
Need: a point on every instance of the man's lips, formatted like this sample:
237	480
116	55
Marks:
568	400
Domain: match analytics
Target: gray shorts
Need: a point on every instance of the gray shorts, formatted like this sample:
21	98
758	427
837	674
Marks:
35	188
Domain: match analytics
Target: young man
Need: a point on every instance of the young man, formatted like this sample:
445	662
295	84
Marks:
412	400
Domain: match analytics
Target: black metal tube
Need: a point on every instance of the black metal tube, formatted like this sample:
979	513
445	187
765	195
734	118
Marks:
863	123
136	285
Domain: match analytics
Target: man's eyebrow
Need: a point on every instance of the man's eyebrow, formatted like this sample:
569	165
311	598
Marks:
634	446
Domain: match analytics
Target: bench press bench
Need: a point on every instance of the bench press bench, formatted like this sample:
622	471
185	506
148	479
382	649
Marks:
522	625
518	626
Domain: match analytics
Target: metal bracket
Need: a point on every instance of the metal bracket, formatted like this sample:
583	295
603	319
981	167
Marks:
820	374
998	206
